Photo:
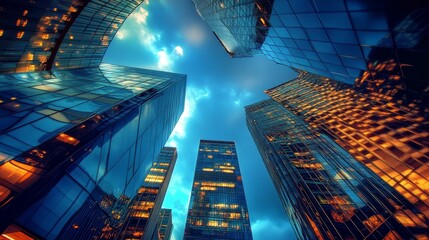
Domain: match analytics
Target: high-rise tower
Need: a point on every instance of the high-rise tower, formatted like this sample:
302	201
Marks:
218	208
77	136
324	190
144	210
379	45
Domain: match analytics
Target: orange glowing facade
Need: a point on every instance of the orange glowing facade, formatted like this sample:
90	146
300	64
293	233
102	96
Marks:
326	193
390	138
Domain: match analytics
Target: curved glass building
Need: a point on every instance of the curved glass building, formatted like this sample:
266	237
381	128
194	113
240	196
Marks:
77	136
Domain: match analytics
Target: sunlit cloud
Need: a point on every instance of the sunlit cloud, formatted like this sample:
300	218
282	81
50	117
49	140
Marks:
121	34
150	39
163	60
178	50
193	96
140	15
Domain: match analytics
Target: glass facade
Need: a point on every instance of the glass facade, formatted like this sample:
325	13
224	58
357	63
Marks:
391	139
218	208
324	190
165	225
44	34
235	24
75	145
145	209
381	46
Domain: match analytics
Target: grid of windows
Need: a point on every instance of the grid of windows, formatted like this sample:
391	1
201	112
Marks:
144	211
218	208
239	25
389	138
41	35
80	159
325	191
371	43
165	224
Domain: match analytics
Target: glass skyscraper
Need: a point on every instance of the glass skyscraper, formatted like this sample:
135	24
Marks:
77	136
81	137
218	208
144	211
391	139
379	45
44	34
324	190
165	225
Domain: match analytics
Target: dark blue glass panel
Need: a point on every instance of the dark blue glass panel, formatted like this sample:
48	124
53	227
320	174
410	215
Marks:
300	6
323	47
282	32
289	20
297	33
317	34
309	20
369	20
329	6
342	36
335	20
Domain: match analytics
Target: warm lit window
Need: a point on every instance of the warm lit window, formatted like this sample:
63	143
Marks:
1	32
154	178
208	169
20	34
67	139
105	41
30	56
21	22
14	232
218	184
208	188
158	170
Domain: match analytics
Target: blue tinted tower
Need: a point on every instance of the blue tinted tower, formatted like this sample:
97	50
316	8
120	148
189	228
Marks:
218	208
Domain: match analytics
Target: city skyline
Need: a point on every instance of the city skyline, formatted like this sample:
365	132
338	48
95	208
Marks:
74	75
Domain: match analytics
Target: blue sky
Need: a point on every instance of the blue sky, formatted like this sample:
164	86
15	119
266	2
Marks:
169	35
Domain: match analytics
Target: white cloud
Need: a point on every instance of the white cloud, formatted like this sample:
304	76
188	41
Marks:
163	60
138	27
140	15
178	50
121	34
193	96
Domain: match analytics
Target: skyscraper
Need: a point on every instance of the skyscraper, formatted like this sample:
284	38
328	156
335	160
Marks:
377	44
43	35
164	227
391	139
324	190
77	137
86	136
144	210
218	208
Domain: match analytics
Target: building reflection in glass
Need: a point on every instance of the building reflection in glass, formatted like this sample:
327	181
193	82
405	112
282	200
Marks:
145	208
41	35
75	145
218	208
391	139
324	190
